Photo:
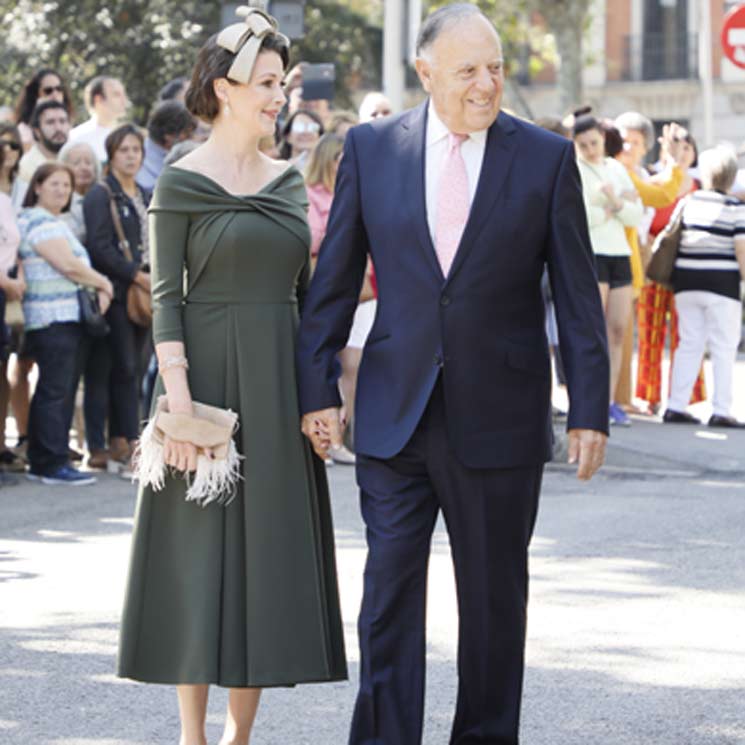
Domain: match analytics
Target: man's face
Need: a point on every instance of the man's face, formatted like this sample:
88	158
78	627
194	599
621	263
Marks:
115	101
54	129
462	70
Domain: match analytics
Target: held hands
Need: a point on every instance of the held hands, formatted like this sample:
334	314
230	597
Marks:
324	429
587	448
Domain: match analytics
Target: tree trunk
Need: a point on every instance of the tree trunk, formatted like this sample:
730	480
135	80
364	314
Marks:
567	20
569	46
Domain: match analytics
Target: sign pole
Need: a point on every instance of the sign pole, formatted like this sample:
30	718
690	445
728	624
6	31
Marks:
393	69
705	71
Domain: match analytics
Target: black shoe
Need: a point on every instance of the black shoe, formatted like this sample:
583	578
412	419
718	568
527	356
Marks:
679	417
717	420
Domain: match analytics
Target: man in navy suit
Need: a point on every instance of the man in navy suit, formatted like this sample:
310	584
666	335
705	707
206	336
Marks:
460	207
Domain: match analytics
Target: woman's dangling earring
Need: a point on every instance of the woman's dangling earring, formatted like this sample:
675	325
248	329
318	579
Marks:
227	109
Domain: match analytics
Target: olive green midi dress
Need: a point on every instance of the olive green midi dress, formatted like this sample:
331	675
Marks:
244	595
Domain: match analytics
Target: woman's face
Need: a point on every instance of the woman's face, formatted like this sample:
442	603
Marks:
634	148
81	160
54	193
304	133
590	146
50	89
11	151
256	105
688	154
127	157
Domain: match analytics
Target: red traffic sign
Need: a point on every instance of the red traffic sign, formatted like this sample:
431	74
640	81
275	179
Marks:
733	36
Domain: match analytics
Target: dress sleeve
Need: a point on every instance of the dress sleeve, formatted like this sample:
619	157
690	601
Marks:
168	232
659	193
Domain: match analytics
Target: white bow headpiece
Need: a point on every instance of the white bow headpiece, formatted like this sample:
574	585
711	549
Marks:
244	40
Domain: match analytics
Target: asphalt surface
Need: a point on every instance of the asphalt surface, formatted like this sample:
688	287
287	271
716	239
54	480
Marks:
636	627
637	618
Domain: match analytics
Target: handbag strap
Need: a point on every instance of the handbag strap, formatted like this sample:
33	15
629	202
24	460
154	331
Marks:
123	242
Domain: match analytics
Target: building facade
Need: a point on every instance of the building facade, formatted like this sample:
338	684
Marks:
643	55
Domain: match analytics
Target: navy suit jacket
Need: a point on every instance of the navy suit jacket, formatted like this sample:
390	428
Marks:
482	327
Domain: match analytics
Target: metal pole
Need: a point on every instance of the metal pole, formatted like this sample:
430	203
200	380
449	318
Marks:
705	70
393	39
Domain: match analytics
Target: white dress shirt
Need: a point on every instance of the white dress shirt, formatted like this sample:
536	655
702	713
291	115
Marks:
95	135
436	150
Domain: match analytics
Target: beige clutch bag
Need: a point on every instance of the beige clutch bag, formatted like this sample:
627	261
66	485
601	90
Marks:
215	479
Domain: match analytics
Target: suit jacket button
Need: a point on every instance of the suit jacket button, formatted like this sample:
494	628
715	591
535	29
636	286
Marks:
438	360
444	300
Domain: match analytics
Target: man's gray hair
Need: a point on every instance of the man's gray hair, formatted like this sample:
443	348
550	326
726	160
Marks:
718	168
435	23
636	122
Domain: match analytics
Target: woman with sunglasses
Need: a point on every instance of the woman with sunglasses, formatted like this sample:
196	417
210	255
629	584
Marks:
299	136
45	85
10	159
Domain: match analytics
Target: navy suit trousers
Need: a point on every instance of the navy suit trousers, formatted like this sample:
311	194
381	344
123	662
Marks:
490	514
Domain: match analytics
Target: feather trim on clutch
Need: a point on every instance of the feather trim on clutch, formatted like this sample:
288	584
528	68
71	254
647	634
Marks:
208	427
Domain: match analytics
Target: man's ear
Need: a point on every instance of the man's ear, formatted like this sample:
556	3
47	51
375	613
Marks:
424	71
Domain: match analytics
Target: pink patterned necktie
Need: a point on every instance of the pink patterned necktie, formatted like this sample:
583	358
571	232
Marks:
453	203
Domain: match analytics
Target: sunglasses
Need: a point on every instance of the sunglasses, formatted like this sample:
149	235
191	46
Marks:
381	112
303	127
47	90
12	145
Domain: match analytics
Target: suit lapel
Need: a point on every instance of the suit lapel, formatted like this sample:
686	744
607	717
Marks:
413	135
498	155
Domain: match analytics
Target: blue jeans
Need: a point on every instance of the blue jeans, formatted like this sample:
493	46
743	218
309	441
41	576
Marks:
55	349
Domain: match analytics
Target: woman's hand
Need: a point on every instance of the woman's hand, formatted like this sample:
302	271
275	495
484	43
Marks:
180	455
14	289
104	285
104	301
143	280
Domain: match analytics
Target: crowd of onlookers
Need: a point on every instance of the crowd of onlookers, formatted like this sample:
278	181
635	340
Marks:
73	237
691	201
74	241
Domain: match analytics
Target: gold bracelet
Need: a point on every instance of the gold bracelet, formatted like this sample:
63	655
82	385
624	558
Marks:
171	362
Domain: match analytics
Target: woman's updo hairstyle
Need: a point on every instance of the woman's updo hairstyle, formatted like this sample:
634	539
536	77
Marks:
613	138
584	121
213	63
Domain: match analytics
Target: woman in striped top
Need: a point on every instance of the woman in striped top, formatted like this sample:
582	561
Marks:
706	281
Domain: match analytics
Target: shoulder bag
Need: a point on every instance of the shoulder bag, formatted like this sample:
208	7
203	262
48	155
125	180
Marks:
139	301
665	249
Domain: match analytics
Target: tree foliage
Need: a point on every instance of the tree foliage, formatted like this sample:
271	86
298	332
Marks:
335	32
148	42
143	42
525	47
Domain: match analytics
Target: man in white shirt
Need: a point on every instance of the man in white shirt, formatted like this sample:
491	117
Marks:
107	102
50	124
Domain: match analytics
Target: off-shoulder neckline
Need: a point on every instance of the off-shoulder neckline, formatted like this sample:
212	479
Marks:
264	188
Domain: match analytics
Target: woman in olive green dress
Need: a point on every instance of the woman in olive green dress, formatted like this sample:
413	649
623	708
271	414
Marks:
245	595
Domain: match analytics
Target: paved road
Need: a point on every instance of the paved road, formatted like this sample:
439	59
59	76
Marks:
637	621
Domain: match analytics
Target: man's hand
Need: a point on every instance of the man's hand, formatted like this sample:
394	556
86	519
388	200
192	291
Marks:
587	447
324	429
